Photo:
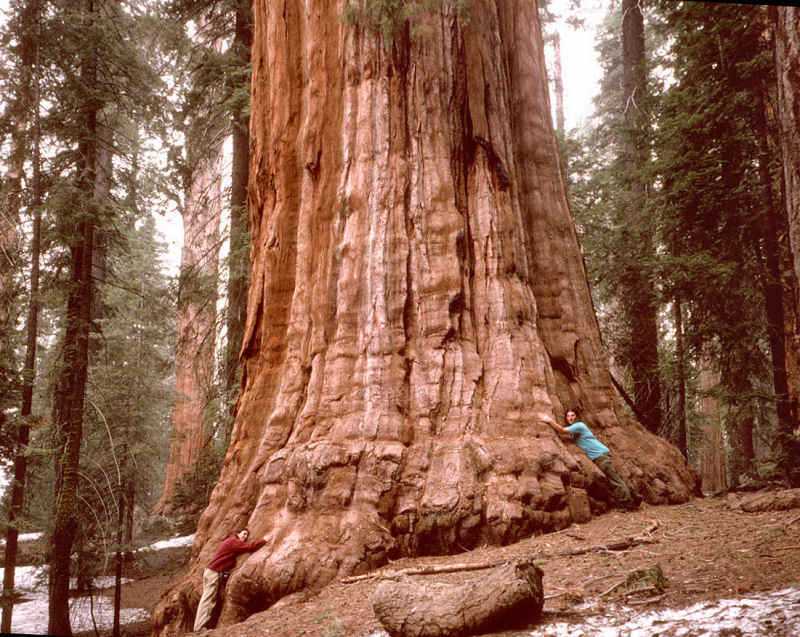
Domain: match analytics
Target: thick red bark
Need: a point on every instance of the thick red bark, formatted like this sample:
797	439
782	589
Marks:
418	308
787	57
194	355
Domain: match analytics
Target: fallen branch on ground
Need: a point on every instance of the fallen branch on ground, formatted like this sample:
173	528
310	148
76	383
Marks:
425	570
617	545
649	600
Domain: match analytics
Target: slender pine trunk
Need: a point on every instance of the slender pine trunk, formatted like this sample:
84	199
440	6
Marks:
681	438
30	48
638	298
239	258
70	389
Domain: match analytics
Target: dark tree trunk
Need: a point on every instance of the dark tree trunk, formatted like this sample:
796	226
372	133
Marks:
20	112
740	416
786	21
773	297
239	258
70	391
680	364
418	307
29	55
119	554
637	295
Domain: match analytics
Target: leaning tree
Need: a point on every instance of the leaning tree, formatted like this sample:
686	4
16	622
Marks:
418	305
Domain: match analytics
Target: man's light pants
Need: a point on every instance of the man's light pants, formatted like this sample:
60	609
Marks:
208	600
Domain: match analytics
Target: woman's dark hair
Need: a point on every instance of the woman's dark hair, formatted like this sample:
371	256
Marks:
574	410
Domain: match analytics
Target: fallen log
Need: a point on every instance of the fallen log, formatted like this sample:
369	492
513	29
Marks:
509	596
770	501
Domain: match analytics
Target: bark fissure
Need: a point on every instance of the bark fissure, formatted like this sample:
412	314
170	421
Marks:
451	286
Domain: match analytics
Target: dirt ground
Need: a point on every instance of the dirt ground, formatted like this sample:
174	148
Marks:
706	550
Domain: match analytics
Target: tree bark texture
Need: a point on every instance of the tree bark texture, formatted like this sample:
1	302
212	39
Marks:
787	58
196	333
711	448
637	293
509	596
418	307
70	390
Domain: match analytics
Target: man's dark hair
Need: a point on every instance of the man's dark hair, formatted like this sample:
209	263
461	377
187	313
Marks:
244	528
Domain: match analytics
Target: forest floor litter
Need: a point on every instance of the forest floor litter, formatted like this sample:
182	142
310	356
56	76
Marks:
725	572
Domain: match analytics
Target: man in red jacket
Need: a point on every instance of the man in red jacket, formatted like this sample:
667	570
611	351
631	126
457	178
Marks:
218	568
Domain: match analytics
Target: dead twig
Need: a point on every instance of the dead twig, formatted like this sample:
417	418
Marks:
612	589
617	545
641	589
649	600
786	548
554	595
425	570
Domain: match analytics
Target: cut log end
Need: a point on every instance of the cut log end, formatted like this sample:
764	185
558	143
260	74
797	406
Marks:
509	596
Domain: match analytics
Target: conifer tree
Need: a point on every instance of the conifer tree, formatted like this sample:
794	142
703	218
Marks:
717	200
637	295
28	112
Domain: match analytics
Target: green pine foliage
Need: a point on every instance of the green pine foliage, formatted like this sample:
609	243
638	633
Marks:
711	73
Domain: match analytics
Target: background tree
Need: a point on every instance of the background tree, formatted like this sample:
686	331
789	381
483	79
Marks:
28	112
216	106
413	316
635	222
239	255
717	205
786	21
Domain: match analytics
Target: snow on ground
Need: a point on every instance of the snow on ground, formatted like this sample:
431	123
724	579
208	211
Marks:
766	614
775	614
24	537
30	616
185	540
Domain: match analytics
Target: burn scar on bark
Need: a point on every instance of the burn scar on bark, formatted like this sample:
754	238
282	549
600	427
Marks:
495	163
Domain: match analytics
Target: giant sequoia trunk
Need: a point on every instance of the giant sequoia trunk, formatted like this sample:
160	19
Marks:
418	308
787	40
787	57
194	354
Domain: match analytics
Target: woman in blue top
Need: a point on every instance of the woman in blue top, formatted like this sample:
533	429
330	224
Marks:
598	453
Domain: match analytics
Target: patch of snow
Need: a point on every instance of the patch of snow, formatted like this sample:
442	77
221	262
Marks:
185	540
30	616
775	614
765	614
25	537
